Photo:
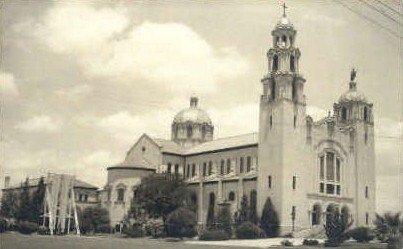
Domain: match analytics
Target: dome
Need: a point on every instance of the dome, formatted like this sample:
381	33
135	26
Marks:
352	95
193	114
284	22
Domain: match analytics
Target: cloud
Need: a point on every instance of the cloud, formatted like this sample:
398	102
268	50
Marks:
40	123
74	93
8	86
168	55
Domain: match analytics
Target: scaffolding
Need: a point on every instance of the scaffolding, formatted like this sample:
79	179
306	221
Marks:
59	204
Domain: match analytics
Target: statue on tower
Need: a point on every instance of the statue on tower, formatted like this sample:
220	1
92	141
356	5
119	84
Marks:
353	74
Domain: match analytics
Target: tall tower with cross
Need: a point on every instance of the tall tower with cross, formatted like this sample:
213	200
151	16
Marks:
281	122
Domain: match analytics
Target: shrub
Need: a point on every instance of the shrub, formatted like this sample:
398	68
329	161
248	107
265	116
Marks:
132	232
104	229
214	235
287	243
335	228
154	228
181	223
248	230
269	221
224	218
310	242
361	234
395	242
92	218
42	230
3	225
26	227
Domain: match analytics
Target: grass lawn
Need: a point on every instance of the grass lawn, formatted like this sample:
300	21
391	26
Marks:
17	241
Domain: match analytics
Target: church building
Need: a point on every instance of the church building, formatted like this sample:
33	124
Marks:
306	167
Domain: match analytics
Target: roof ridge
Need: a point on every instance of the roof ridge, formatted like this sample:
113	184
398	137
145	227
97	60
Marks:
250	133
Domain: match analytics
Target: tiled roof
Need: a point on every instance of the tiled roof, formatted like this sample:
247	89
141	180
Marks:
169	146
225	143
32	182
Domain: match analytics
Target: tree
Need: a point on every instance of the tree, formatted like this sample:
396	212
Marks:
94	219
25	207
269	221
335	227
253	209
387	226
224	218
159	195
9	205
38	199
181	223
243	213
210	216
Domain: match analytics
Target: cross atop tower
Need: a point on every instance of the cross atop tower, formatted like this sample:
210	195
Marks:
284	7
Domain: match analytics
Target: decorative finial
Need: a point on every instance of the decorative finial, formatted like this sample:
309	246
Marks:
353	74
284	7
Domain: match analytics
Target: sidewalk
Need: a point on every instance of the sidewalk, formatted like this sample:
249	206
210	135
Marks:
260	243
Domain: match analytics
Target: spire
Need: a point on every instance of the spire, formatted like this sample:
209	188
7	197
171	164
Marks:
284	7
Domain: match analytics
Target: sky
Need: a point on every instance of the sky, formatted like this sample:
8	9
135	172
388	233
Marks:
82	80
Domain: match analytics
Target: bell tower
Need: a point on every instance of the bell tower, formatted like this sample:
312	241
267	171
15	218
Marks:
282	123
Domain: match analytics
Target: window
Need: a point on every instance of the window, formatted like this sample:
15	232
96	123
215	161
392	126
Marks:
329	166
189	131
121	195
316	213
366	192
193	169
275	63
284	39
365	113
222	167
169	168
271	121
85	198
366	218
80	198
269	182
344	113
322	167
330	173
143	149
231	196
248	163
241	165
228	166
188	171
293	212
203	131
109	194
366	137
294	182
210	168
292	63
295	121
204	169
176	169
273	90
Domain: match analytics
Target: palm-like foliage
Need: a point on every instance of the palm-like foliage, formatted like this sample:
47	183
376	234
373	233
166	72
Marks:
388	225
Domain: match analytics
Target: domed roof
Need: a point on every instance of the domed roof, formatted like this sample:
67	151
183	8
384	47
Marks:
352	95
193	114
284	22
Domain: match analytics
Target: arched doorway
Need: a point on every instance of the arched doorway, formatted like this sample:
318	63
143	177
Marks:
316	214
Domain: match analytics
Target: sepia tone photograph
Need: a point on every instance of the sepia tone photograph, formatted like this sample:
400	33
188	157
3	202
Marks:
201	124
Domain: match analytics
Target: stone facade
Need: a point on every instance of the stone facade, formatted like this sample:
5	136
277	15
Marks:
304	166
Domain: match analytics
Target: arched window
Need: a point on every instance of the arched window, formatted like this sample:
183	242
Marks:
228	166
331	211
366	192
203	131
248	163
316	214
344	113
241	164
271	121
222	167
210	168
294	91
275	63
273	90
212	199
189	131
176	169
169	168
193	199
193	169
292	63
330	173
204	169
121	194
231	196
188	171
365	113
284	39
